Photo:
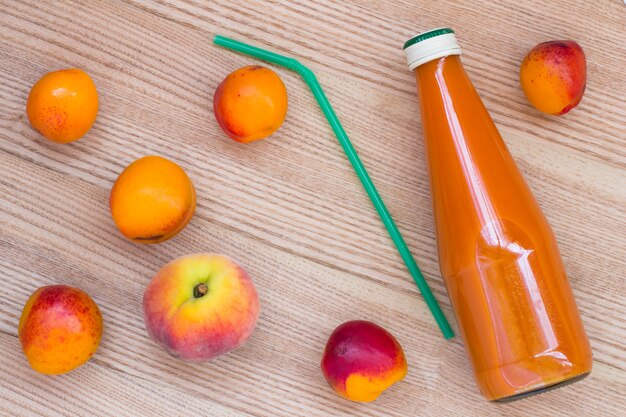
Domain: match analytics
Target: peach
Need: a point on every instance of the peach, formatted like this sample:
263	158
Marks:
200	306
63	105
250	104
152	200
60	329
553	76
361	360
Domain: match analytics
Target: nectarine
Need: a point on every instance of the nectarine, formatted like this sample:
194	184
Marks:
361	360
60	329
553	76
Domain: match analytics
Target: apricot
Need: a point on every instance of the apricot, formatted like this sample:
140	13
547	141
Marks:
361	360
60	329
553	76
63	105
250	104
152	200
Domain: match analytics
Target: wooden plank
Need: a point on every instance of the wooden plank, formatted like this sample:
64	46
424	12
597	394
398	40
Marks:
289	207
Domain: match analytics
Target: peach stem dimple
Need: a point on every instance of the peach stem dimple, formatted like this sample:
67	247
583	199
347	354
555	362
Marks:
200	290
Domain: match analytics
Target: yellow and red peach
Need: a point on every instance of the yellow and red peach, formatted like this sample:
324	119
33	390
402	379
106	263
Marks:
361	360
250	104
200	306
553	76
60	329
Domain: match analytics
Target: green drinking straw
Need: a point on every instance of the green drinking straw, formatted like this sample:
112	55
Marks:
385	216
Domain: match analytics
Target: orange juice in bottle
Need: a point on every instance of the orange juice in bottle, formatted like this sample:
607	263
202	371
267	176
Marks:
497	253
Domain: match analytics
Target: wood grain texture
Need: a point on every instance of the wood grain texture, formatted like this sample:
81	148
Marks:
290	208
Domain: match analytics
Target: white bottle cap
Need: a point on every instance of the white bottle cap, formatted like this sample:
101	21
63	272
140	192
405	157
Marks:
430	45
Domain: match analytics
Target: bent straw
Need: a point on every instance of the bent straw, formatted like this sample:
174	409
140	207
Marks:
385	216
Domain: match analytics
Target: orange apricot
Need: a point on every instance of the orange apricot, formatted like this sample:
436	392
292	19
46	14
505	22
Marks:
152	200
63	105
250	104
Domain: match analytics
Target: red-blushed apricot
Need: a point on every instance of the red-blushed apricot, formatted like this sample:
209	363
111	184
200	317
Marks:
60	329
63	105
250	104
361	360
152	200
553	76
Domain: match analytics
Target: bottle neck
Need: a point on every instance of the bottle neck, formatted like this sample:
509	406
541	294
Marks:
447	97
440	69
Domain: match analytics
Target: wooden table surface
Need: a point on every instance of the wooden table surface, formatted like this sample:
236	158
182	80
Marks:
290	208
